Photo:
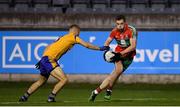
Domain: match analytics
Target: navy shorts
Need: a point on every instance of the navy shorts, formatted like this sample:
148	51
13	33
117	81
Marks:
47	65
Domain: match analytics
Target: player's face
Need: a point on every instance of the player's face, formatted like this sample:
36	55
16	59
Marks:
120	24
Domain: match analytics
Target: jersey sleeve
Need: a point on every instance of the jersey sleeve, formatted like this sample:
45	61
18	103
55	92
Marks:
77	39
112	35
133	33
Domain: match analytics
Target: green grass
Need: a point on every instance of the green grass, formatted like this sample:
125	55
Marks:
78	94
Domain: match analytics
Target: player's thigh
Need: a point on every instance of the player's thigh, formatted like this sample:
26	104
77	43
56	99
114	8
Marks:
58	74
42	78
118	67
117	70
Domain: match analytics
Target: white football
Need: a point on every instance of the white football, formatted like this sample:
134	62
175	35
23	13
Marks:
108	55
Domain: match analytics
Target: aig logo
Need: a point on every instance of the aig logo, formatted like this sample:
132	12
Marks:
23	51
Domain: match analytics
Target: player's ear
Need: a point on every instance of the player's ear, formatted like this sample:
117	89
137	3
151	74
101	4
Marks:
78	32
77	35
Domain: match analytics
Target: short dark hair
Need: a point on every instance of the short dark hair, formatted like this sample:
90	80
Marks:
74	26
119	17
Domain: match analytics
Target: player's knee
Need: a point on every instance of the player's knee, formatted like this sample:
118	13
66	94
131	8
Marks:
65	80
119	70
39	83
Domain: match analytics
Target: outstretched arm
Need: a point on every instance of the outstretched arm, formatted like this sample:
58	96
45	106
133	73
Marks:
87	45
90	46
108	41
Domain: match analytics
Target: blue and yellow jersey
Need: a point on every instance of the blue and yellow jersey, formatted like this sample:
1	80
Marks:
61	46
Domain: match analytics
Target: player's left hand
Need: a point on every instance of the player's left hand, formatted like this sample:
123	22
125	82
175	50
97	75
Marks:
104	48
37	65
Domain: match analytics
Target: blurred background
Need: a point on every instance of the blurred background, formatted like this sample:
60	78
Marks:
27	26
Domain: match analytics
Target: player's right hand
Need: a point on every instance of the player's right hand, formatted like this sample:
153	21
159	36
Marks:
104	48
37	65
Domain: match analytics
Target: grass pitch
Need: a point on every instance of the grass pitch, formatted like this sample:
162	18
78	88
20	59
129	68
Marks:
78	94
